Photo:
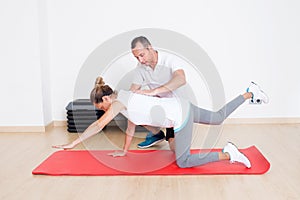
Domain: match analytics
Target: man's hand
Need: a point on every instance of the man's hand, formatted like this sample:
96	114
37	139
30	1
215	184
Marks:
151	92
117	154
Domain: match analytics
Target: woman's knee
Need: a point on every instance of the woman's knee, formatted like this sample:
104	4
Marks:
182	163
219	118
218	121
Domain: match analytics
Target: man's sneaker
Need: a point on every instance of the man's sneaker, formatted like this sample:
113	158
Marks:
259	96
150	141
236	155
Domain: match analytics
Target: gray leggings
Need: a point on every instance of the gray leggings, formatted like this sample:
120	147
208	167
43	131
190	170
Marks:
183	137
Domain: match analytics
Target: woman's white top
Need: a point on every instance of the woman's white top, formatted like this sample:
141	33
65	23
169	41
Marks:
154	111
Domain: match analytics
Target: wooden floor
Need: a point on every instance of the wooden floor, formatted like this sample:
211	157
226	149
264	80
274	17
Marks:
20	153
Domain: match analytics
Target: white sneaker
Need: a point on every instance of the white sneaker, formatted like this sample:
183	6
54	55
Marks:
236	155
258	94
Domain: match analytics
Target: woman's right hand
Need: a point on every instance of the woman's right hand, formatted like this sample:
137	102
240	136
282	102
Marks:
64	146
117	154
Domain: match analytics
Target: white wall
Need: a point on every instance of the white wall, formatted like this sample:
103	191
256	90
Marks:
20	74
45	61
247	40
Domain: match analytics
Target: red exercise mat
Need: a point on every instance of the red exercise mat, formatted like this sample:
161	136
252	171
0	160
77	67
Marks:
141	162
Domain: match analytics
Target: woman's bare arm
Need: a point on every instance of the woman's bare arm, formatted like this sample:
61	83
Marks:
129	134
95	127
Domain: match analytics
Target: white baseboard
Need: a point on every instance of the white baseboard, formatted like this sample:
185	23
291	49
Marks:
262	121
229	121
22	129
60	123
26	129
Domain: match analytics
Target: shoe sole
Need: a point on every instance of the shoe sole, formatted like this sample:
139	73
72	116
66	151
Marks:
266	100
150	145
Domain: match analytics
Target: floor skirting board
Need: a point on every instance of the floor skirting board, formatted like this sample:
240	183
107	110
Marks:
23	129
283	120
229	121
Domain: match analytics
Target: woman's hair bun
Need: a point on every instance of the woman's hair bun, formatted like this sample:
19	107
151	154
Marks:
99	82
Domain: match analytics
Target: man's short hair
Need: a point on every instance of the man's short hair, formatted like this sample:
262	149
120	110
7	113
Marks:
142	39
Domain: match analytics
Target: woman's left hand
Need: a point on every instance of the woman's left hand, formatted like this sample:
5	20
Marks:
64	146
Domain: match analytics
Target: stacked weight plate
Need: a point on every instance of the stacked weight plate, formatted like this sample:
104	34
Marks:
80	114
